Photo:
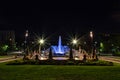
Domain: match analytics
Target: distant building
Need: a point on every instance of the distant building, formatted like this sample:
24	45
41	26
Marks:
7	37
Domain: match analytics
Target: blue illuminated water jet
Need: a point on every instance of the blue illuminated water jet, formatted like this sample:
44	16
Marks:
59	49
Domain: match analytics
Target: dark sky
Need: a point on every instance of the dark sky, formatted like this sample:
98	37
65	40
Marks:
101	16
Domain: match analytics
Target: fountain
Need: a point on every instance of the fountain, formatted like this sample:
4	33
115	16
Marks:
59	50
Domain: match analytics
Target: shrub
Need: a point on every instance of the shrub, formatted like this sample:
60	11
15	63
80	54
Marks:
116	53
60	62
98	63
70	63
15	62
104	63
29	62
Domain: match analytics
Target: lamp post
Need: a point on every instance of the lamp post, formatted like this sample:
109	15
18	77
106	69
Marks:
41	42
92	47
26	36
74	42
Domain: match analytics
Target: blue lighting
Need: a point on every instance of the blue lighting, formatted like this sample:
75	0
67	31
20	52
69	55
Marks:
60	50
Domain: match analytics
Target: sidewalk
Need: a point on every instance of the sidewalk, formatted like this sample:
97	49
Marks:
9	59
110	58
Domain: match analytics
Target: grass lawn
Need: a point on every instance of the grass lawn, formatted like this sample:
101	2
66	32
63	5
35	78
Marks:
58	72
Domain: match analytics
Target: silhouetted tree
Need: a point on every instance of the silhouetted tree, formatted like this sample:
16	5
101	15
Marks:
97	58
94	53
25	58
36	58
84	58
50	54
71	54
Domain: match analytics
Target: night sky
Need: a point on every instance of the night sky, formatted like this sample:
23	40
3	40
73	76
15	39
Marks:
100	16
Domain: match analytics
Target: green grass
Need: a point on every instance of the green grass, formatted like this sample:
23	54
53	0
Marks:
58	72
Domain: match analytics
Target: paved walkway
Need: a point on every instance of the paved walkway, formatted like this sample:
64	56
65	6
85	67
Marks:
110	58
8	59
106	58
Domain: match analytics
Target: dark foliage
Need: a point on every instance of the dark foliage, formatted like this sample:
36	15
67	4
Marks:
60	62
71	54
50	54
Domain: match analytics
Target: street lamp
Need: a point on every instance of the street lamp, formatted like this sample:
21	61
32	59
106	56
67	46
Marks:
92	46
41	42
91	37
91	34
74	41
26	35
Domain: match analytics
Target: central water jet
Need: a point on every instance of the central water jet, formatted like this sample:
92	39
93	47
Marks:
59	49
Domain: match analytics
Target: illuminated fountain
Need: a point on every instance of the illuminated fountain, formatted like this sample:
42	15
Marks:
59	49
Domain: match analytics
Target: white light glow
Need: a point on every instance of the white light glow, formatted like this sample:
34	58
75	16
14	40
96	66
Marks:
41	41
42	58
76	58
74	41
91	34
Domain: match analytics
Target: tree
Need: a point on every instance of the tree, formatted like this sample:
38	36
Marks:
50	54
71	54
3	49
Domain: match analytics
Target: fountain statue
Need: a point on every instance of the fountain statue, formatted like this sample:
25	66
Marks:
59	49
